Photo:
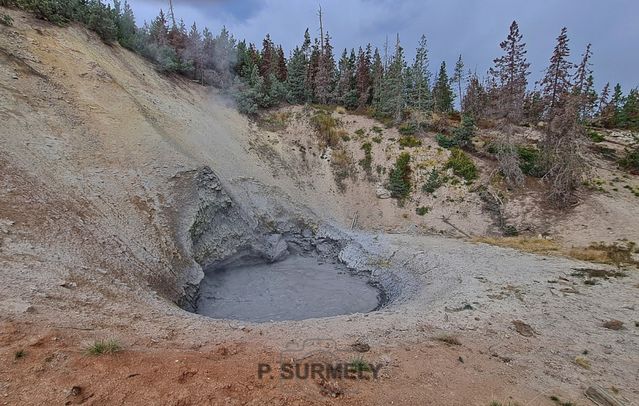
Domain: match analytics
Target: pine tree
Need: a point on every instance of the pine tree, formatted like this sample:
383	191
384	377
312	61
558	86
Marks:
442	94
280	70
475	99
393	98
325	77
125	24
509	74
194	51
457	78
420	96
377	79
582	87
556	82
297	66
363	76
267	57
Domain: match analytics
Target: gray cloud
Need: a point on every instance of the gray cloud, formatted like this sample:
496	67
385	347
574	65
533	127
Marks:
473	28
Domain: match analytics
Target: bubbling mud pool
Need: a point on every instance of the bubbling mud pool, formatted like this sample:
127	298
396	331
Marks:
295	288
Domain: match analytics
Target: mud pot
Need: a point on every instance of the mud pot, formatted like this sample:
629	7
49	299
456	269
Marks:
296	288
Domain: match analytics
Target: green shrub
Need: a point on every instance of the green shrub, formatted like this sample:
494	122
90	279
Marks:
6	19
360	132
630	160
422	210
399	182
409	142
407	129
434	181
462	165
377	129
595	136
530	162
377	139
444	141
463	135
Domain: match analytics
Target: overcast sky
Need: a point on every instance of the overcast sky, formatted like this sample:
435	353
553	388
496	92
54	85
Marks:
472	28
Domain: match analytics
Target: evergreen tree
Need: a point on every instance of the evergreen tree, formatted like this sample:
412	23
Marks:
377	79
457	78
125	24
325	77
420	96
297	66
475	99
509	73
393	98
556	82
442	94
363	76
194	52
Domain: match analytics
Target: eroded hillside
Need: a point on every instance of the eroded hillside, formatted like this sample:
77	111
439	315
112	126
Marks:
119	184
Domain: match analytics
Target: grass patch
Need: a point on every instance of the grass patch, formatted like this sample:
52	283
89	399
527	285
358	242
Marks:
532	244
103	347
342	164
377	129
448	339
277	121
366	162
596	136
462	165
360	132
6	19
360	365
20	354
618	253
326	126
377	139
582	362
421	211
409	141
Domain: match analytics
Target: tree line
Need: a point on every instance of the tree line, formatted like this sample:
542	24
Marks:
381	82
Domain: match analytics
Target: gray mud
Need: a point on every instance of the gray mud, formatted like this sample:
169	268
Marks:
295	288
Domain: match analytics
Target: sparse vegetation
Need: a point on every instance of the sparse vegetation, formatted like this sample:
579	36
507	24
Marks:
529	161
358	364
422	210
434	181
409	142
5	19
595	136
103	347
618	253
448	339
631	160
326	127
21	353
582	362
559	402
462	165
366	162
343	167
276	121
